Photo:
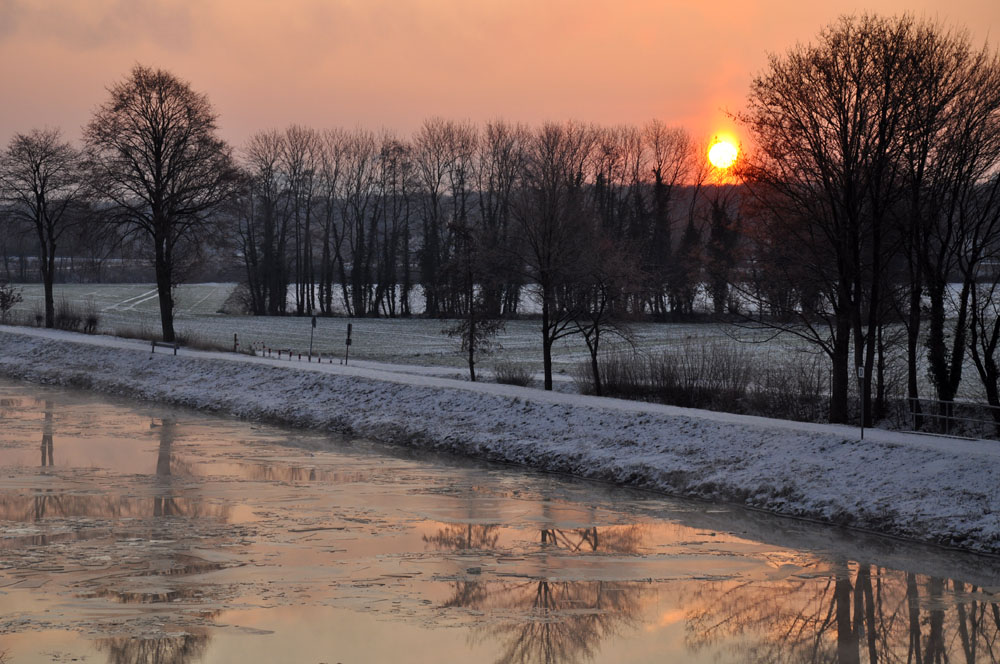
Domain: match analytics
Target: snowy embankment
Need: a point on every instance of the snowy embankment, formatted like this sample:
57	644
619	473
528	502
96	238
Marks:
924	488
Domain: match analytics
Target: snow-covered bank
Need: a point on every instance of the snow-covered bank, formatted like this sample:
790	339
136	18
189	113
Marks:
930	489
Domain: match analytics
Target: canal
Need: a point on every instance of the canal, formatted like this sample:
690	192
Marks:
138	533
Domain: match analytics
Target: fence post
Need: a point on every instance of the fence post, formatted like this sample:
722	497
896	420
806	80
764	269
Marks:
861	397
347	346
312	331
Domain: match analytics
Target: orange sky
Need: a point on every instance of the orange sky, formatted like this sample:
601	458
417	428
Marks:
392	63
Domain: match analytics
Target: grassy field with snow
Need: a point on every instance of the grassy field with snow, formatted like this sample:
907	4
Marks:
415	341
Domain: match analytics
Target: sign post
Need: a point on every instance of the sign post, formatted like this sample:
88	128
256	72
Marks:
311	332
861	397
347	347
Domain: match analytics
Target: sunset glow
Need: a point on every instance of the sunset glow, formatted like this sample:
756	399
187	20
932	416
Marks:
376	64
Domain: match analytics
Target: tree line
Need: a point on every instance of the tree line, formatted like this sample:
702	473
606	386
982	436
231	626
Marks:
863	217
458	221
874	189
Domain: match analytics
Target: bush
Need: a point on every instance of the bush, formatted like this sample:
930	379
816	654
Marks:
91	318
723	377
73	318
68	317
508	373
186	339
9	298
196	342
238	302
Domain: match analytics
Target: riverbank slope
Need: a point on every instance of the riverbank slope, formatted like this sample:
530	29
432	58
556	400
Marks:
924	488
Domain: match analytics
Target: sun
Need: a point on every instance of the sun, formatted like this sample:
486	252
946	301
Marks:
722	154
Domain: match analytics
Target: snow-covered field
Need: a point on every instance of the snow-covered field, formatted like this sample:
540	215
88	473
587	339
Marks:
924	488
417	342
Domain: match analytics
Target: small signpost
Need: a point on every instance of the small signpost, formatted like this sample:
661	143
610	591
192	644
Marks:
347	347
861	397
311	332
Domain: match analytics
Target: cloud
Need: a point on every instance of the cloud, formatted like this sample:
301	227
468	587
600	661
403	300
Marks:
10	17
98	24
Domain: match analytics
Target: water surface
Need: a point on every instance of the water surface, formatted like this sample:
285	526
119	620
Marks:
137	533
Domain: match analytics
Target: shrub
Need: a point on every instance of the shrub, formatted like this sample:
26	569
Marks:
723	377
68	316
91	318
197	342
73	318
238	302
508	373
9	298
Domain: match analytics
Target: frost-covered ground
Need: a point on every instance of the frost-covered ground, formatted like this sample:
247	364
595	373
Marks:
931	489
415	341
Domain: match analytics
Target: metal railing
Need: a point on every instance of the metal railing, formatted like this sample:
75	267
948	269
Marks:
965	419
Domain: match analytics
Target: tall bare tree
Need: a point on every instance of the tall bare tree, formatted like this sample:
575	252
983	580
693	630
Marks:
264	222
670	162
40	182
154	158
963	228
300	161
501	162
432	161
549	211
828	120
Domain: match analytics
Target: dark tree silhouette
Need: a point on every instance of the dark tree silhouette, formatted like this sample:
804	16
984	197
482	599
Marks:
40	181
827	119
153	158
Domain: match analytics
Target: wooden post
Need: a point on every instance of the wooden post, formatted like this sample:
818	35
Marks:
347	347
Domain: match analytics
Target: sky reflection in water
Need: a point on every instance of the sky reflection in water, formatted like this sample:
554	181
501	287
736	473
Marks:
133	533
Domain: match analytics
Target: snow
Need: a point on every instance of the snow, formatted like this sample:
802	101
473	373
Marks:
416	341
932	489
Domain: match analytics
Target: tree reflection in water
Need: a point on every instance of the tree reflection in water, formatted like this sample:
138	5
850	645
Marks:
179	649
859	614
545	621
50	503
47	451
165	505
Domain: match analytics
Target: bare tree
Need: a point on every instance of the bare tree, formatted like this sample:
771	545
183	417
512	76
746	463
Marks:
550	212
721	250
332	156
360	203
964	229
938	81
153	156
469	266
392	295
501	162
300	163
40	181
432	161
609	277
670	162
828	121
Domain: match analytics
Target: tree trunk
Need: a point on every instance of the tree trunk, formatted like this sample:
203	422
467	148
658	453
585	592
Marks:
546	337
596	369
912	339
163	288
840	374
848	645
